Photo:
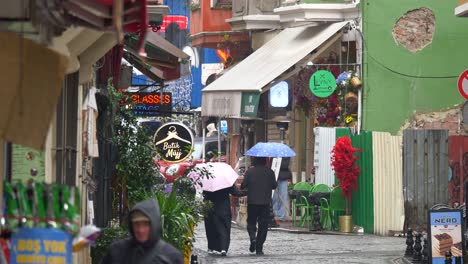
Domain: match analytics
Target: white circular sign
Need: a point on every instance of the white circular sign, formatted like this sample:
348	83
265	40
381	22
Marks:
463	84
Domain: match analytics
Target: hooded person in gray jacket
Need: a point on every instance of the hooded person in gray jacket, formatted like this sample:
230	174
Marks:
145	244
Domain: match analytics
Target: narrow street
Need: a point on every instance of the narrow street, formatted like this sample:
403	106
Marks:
284	247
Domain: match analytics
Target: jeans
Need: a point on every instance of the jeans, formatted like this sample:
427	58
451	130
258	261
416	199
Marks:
279	207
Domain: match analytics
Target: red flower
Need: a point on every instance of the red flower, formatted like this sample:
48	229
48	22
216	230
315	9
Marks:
343	162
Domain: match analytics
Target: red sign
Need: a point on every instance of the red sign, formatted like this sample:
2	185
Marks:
463	84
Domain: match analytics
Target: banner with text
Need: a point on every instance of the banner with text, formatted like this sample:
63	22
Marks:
41	245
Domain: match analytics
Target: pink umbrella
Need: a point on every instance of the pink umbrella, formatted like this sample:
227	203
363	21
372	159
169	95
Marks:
220	175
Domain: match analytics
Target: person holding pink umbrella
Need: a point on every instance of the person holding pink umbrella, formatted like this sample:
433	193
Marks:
217	185
218	219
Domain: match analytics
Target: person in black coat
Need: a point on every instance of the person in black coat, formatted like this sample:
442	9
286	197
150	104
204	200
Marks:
218	219
145	244
259	181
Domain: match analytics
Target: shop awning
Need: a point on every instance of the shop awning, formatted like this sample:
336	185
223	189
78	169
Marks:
160	54
32	77
230	94
153	73
83	47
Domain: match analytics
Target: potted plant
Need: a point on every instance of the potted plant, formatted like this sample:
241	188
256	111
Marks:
343	161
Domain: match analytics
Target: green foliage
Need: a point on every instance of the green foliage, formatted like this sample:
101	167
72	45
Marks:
194	6
135	166
107	236
177	221
139	176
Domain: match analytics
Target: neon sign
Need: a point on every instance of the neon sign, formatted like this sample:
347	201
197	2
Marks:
150	104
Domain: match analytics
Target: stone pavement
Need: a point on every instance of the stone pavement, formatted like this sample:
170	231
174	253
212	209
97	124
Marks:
284	246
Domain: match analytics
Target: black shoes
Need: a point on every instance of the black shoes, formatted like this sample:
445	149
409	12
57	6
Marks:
260	253
253	245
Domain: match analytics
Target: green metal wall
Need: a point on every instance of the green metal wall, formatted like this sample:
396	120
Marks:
363	199
389	97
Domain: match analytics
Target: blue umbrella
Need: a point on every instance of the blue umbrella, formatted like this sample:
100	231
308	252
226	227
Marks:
270	149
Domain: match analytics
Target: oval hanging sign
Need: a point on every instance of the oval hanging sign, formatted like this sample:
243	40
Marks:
173	142
322	83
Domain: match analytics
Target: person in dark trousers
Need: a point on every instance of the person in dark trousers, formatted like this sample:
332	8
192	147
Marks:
218	219
259	182
145	244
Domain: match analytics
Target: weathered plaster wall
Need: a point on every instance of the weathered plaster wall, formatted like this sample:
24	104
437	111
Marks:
450	119
392	93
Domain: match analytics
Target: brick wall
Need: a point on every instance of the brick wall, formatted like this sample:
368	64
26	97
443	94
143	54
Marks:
450	120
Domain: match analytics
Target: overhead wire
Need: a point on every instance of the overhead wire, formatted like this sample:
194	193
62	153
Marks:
395	71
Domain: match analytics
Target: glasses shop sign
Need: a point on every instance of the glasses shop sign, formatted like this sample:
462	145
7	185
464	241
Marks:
173	142
150	104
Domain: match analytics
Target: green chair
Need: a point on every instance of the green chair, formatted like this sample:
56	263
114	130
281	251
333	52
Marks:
309	211
297	202
332	207
321	187
308	207
325	222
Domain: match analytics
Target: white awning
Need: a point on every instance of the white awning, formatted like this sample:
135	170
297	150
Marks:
256	71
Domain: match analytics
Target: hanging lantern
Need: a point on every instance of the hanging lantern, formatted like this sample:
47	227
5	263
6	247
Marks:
351	102
356	82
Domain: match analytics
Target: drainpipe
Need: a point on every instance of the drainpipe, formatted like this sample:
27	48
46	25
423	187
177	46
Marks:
2	174
359	71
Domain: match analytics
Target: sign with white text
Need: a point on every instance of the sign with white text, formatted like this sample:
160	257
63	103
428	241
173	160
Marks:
463	84
445	235
41	245
173	142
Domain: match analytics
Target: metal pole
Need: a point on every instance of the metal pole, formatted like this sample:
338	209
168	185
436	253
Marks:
203	139
282	135
219	139
466	200
3	171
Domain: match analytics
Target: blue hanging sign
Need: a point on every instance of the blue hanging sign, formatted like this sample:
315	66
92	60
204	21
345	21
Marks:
224	126
41	245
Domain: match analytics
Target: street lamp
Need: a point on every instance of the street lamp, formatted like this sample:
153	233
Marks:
282	123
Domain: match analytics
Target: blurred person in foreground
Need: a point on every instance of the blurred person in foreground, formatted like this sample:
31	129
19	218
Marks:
259	181
145	244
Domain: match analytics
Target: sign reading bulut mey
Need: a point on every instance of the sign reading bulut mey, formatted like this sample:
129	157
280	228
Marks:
173	142
41	245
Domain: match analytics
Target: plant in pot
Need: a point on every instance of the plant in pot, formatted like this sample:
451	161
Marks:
343	161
